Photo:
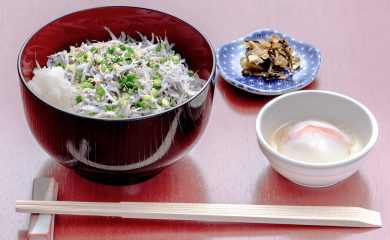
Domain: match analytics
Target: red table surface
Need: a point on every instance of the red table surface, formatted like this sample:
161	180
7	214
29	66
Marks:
226	166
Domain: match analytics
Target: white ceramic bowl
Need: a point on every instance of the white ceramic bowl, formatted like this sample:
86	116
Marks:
324	105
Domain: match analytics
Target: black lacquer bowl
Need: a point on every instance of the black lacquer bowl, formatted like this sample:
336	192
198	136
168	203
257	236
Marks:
117	151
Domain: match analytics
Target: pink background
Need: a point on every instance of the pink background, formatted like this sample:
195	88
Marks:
226	166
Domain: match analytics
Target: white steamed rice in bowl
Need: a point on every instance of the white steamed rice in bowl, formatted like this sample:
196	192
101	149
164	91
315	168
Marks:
121	78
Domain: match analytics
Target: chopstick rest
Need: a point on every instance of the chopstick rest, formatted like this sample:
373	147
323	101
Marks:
42	225
272	214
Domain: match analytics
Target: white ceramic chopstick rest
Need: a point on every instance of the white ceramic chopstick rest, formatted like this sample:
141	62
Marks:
42	225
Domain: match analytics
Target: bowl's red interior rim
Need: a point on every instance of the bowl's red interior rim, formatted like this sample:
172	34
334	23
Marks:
122	119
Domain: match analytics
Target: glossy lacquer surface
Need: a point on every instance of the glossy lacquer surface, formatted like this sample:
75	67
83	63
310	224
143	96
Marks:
226	165
117	151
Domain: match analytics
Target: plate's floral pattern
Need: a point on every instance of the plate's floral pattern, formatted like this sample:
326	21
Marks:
228	63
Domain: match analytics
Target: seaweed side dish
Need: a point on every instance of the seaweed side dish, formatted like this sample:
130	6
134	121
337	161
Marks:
269	59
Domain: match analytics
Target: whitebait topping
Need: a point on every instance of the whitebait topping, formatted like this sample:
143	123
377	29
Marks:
122	78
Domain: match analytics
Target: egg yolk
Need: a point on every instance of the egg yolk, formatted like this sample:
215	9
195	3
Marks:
315	129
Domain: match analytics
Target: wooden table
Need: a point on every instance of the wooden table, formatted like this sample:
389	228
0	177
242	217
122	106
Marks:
226	166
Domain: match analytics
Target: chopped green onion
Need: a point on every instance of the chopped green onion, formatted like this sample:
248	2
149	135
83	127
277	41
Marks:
159	101
115	97
160	75
158	49
127	42
86	85
137	83
121	116
121	102
85	57
165	102
179	95
154	92
172	97
78	99
118	59
69	67
130	50
116	110
90	114
191	74
103	68
108	108
77	72
157	83
88	54
111	50
58	64
93	49
138	63
144	105
126	96
133	108
164	60
155	66
79	88
136	51
122	82
131	77
175	59
146	98
127	55
128	60
98	98
99	60
122	47
100	91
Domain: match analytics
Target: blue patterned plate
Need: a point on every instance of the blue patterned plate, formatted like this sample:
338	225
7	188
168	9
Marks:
228	63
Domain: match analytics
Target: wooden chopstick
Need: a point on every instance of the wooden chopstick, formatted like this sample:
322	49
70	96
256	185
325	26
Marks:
296	215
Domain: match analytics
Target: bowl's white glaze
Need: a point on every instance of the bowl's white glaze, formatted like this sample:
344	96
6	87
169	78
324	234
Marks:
325	105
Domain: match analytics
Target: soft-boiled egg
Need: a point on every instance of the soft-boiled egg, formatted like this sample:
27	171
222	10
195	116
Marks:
315	141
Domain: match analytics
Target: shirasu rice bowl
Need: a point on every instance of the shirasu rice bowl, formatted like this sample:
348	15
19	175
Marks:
121	78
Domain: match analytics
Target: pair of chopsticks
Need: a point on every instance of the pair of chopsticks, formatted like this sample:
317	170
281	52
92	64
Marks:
296	215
